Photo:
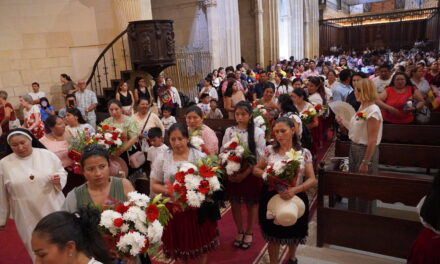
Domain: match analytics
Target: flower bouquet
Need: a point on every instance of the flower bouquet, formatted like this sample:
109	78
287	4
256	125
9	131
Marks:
283	174
196	139
262	119
110	137
76	146
136	225
308	115
321	109
195	183
235	154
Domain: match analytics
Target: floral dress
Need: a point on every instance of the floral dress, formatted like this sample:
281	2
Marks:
285	235
31	117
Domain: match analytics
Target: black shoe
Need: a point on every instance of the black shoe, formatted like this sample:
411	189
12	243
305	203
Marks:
290	261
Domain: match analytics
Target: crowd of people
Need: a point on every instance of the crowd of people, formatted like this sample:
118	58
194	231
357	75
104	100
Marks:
38	176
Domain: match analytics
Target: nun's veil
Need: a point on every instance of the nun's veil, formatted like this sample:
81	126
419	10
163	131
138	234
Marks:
35	142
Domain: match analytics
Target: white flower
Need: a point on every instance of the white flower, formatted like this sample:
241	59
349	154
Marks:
294	155
107	219
102	142
118	130
195	199
186	166
154	232
141	226
118	142
263	127
214	184
239	151
264	176
278	167
197	142
259	121
125	228
192	182
135	214
232	167
108	136
138	198
132	243
224	156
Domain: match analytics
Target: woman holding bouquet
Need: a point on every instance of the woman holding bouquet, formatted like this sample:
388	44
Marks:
301	102
268	101
100	188
190	234
242	187
202	137
276	235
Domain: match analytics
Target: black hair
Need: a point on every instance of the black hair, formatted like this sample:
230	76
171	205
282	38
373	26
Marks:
229	91
114	101
267	86
35	83
239	66
121	83
344	75
263	72
166	108
320	87
301	93
220	68
430	211
295	140
230	75
136	86
384	66
45	100
70	96
360	74
229	68
346	62
297	80
80	227
209	79
407	79
204	95
213	100
35	142
76	112
143	99
94	150
287	104
182	128
245	105
51	121
65	76
194	109
155	132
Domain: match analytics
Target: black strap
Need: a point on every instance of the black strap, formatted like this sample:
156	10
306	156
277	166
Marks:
145	124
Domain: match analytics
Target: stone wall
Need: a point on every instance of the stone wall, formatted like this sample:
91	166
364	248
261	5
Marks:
42	39
247	31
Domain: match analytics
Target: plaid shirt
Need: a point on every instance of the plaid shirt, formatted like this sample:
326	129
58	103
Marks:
85	100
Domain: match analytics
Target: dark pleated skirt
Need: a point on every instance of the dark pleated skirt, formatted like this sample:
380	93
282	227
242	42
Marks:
284	235
247	191
185	238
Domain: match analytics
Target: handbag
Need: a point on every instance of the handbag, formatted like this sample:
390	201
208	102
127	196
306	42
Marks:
137	159
422	115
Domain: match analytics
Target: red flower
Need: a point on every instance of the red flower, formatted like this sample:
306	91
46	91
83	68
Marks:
359	114
119	235
190	171
115	135
206	172
121	209
105	127
306	112
118	222
318	107
152	212
109	142
180	176
233	145
146	245
204	187
234	159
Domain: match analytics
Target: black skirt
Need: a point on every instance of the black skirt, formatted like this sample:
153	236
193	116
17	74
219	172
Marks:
284	235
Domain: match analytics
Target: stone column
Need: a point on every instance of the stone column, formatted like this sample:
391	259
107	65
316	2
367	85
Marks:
131	10
297	36
210	7
273	33
311	28
259	30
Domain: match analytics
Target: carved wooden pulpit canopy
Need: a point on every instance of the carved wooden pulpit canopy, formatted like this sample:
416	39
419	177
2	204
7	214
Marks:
151	45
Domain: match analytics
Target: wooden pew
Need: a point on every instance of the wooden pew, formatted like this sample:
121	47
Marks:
411	134
435	118
369	232
406	155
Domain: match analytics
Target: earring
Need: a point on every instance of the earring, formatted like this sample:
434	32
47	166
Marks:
70	255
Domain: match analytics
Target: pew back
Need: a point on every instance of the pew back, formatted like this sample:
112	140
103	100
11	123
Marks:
411	134
369	232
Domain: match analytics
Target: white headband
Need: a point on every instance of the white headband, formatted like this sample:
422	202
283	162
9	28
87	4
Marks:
19	133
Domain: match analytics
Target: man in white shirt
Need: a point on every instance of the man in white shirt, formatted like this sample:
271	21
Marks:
87	100
384	78
36	94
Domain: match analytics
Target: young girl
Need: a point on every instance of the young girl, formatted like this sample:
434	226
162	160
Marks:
243	187
277	235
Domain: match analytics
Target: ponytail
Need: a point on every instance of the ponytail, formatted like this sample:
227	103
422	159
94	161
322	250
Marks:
80	227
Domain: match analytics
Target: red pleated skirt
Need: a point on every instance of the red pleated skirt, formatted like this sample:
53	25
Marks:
426	248
184	238
247	191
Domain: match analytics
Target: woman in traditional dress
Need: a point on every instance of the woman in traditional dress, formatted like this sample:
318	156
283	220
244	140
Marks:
194	121
100	188
128	127
32	117
288	109
277	235
70	238
31	180
243	188
190	234
76	123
